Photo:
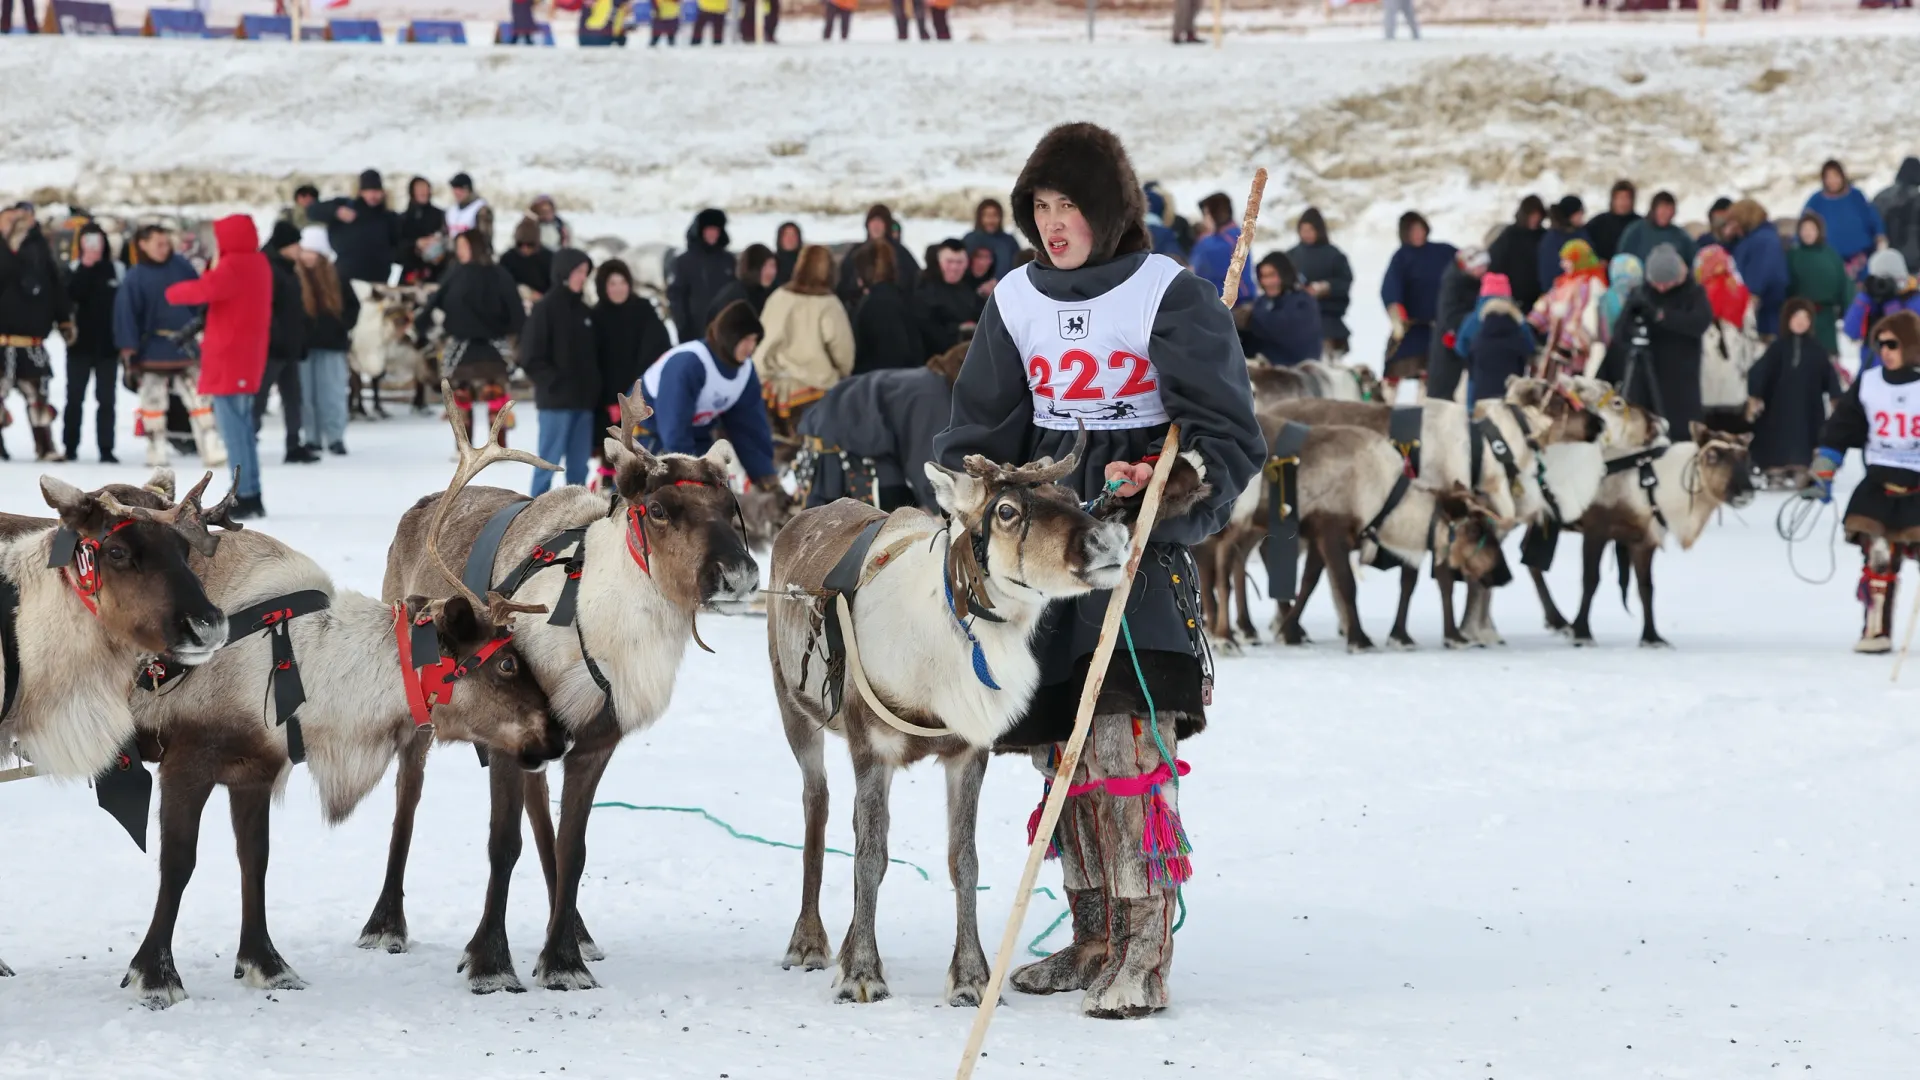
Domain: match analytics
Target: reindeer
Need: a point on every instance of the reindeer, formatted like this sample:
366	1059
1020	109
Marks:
642	569
118	587
1312	379
365	702
1691	481
383	342
1011	540
1347	477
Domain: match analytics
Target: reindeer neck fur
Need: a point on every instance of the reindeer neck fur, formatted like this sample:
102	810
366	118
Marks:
917	657
355	717
1575	472
70	716
1687	512
1407	531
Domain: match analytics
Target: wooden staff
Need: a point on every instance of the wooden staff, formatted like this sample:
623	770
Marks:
1096	678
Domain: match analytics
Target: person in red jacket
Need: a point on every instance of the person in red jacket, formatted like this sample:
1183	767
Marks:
238	294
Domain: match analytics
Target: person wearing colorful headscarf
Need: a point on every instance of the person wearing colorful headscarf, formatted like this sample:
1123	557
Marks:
1624	274
1568	316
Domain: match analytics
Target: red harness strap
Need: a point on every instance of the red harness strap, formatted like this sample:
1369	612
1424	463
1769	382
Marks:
85	578
428	685
638	546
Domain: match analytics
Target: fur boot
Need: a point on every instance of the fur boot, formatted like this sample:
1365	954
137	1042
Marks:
1879	579
206	433
153	417
1077	838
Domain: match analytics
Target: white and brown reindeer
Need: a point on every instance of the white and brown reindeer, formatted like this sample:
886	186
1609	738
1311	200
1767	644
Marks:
1354	497
642	568
945	606
367	692
382	343
1650	494
82	598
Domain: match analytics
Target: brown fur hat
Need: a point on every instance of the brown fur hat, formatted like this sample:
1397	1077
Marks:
1747	215
1086	163
735	322
1793	307
1905	327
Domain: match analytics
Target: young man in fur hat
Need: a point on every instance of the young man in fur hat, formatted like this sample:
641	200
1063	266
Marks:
1879	414
1098	331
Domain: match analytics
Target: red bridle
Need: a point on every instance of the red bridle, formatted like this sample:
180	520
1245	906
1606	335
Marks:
638	546
85	578
428	685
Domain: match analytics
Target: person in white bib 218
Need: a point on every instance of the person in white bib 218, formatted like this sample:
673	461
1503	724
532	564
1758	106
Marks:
1099	331
1880	414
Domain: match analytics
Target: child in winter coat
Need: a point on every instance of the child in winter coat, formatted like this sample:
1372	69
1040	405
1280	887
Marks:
1501	348
1788	395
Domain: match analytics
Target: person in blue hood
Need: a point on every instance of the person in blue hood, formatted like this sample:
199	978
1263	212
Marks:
1283	322
1213	253
1158	231
1854	227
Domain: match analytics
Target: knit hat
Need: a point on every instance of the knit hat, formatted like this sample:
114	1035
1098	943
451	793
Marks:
1665	266
314	238
370	181
1496	285
1473	258
282	235
461	180
1156	202
1888	263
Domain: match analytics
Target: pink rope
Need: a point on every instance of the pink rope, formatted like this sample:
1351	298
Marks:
1120	787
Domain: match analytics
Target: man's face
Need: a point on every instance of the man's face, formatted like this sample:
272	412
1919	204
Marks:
743	351
461	194
953	265
990	219
1063	229
373	197
1416	235
1308	234
157	248
981	263
303	200
1579	219
1662	214
710	234
1623	202
1269	281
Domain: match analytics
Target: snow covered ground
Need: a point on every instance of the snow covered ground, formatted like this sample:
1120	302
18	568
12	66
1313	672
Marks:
1528	861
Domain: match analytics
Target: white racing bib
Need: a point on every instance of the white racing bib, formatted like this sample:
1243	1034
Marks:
1087	359
719	393
463	218
1893	421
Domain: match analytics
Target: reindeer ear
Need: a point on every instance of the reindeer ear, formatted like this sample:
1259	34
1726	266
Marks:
957	493
722	456
78	510
1699	432
161	483
629	469
1456	502
457	623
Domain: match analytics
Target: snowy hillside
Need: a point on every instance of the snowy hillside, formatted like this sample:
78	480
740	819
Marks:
634	142
1529	862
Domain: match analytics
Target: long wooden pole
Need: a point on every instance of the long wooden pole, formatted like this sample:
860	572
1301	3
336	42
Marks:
1096	678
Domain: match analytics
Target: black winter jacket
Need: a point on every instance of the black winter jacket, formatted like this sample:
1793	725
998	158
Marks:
366	244
884	333
1459	295
533	269
1516	253
480	304
557	347
628	338
92	291
287	334
333	333
942	309
1324	262
33	291
699	273
1676	321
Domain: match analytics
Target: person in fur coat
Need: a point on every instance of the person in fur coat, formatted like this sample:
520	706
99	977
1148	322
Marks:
1077	203
1789	392
1883	516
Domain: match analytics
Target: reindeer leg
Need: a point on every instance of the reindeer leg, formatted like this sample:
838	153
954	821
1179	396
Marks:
1591	550
560	966
968	974
386	928
1556	622
1643	571
487	960
809	947
1237	585
257	961
379	407
861	976
1480	629
1450	631
1289	623
540	818
186	780
1346	597
1409	581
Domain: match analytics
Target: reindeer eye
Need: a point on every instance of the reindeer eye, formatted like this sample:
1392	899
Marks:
1712	456
1008	512
509	666
118	554
656	508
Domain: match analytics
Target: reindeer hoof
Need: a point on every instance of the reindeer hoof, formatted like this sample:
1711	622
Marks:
269	972
1229	646
808	949
806	961
1458	643
967	979
1582	641
1655	642
589	951
576	977
861	991
494	983
1401	644
391	942
5	971
1361	646
157	983
386	929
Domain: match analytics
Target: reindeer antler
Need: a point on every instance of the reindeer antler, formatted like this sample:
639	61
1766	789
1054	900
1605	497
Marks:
633	409
184	517
473	460
1044	471
500	610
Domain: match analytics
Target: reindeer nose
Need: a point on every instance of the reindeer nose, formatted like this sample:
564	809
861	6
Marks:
198	637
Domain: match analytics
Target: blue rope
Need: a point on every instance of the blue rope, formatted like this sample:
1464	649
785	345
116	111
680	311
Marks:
980	670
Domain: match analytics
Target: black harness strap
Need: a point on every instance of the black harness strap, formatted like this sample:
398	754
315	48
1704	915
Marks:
1403	429
1382	558
844	580
1649	480
1281	548
9	643
477	574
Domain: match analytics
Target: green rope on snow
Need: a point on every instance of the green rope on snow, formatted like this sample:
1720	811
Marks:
749	837
1153	725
